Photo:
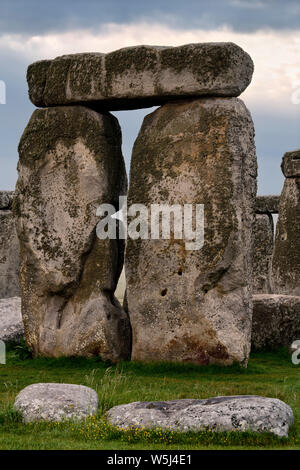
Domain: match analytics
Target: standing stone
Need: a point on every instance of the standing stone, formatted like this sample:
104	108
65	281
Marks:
262	255
194	305
9	249
70	163
286	257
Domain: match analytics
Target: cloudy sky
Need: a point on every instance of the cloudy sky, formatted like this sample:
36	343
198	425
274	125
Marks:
269	30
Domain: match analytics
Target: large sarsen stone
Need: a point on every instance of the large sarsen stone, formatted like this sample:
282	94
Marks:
70	163
141	76
194	304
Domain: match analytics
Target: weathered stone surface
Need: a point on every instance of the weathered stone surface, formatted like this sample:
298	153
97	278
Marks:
141	76
291	164
267	204
262	254
285	274
231	413
11	323
56	402
36	78
194	305
276	320
6	198
9	256
9	249
70	163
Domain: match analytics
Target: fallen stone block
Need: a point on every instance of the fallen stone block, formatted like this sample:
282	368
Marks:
231	413
56	402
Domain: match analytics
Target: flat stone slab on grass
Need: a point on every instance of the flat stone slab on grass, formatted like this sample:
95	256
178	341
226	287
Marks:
232	413
276	320
11	323
141	76
56	402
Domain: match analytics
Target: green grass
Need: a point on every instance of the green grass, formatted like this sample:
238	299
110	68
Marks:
268	374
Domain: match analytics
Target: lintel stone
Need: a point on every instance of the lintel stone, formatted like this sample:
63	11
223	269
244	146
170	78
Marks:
140	76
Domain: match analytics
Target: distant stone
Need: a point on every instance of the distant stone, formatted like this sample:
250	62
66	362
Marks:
285	270
231	413
276	321
141	76
262	253
291	164
9	256
6	199
267	204
56	402
11	323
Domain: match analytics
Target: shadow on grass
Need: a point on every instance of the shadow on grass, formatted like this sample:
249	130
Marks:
20	354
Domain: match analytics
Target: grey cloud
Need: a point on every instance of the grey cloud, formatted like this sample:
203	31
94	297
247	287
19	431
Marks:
38	17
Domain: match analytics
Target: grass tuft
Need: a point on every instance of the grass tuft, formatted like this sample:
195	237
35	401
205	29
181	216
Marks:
113	383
